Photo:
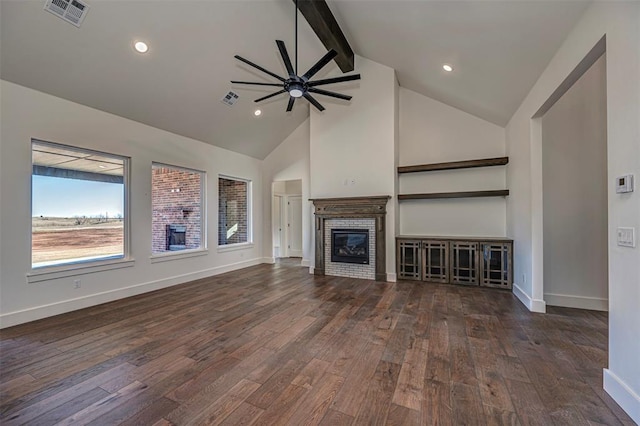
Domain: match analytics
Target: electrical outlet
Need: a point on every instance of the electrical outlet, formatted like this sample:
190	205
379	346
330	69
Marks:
77	284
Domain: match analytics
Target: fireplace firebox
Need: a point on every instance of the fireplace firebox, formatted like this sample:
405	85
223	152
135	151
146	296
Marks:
350	246
176	237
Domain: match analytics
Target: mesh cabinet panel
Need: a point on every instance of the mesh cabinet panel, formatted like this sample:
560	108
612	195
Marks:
495	265
409	259
464	262
435	261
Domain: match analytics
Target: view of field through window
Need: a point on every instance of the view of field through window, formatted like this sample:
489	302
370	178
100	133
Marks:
77	205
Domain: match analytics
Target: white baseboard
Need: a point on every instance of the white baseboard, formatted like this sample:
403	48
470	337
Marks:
534	305
269	260
391	277
622	394
312	269
305	262
45	311
580	302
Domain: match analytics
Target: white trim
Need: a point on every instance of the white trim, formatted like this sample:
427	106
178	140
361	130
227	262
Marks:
176	255
391	277
73	269
312	269
44	311
269	260
534	305
305	262
234	247
580	302
622	394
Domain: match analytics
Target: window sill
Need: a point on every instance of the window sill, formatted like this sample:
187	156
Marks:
47	273
173	255
234	247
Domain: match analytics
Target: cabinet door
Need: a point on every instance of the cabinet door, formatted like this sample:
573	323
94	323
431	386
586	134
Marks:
408	259
464	262
496	265
435	261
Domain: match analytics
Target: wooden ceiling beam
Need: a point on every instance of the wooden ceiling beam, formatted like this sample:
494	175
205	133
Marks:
324	24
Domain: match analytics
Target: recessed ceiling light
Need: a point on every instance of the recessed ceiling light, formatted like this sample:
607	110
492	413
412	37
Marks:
141	47
257	112
102	166
447	67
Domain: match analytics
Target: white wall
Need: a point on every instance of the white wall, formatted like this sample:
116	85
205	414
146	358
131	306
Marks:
433	132
289	161
619	21
353	144
574	180
30	114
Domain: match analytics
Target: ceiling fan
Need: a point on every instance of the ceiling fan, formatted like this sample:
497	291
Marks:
299	86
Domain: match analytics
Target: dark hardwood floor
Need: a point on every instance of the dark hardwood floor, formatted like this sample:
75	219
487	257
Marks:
272	344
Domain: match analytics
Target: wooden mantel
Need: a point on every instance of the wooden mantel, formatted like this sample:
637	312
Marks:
352	207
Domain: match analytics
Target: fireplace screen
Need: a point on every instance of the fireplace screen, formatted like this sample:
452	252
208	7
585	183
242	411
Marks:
176	237
350	246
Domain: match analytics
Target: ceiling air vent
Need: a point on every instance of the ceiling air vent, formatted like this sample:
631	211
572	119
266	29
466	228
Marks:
72	11
230	98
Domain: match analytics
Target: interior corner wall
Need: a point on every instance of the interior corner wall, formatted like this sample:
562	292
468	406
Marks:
574	181
289	161
353	144
618	21
28	114
433	132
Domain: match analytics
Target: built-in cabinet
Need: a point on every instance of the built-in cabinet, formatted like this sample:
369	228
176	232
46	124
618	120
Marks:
486	262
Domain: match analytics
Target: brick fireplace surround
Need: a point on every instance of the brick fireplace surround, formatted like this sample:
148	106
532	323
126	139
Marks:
327	209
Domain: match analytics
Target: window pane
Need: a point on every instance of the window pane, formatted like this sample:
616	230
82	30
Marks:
176	197
233	215
77	205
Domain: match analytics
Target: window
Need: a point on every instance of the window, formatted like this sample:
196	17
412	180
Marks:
177	198
77	205
234	225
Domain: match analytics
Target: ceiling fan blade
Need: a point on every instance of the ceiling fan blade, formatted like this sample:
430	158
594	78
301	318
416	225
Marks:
285	58
270	96
256	83
290	104
248	62
320	64
333	80
327	93
313	101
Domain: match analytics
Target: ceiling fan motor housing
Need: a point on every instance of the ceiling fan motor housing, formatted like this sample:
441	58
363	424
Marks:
296	87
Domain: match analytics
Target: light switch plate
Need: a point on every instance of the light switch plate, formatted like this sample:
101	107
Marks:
626	237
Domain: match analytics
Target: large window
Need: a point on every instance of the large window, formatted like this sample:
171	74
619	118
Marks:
77	206
177	196
234	223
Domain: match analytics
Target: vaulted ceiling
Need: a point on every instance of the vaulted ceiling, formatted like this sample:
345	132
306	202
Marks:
498	50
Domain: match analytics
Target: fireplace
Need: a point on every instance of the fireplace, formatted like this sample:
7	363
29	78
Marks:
176	237
350	246
353	215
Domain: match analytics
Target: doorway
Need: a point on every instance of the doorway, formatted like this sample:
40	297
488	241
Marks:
287	219
574	182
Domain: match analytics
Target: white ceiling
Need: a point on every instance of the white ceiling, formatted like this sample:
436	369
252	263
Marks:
498	50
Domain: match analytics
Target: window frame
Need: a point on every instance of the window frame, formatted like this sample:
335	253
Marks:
249	243
203	249
80	267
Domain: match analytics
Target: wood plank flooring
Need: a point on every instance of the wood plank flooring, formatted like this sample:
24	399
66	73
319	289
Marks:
272	344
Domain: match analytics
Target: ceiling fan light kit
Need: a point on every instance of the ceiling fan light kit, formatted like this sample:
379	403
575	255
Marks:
299	86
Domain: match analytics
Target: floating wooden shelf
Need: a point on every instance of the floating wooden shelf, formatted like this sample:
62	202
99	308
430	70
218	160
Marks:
466	164
464	194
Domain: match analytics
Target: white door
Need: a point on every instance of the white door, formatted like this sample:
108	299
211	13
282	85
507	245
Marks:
277	226
294	227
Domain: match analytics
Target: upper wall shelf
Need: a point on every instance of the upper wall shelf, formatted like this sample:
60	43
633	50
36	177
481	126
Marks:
466	164
465	194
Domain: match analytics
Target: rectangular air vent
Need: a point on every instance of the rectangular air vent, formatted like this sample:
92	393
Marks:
230	98
72	11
